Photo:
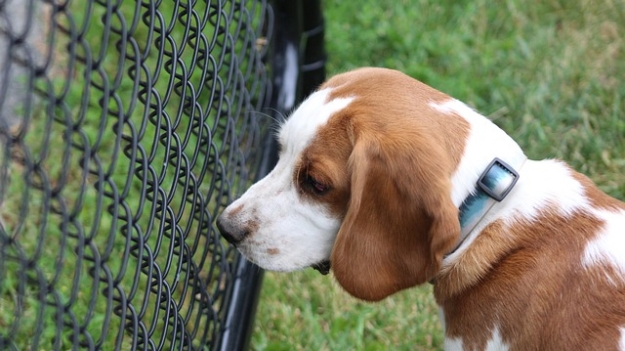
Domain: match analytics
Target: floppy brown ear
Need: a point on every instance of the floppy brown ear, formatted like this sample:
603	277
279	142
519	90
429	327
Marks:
400	220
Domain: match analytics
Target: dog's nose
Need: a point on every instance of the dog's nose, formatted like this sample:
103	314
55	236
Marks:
233	233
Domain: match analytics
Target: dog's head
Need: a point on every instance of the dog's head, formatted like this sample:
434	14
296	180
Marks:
363	181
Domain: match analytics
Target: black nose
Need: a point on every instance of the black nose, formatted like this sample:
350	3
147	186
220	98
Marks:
233	233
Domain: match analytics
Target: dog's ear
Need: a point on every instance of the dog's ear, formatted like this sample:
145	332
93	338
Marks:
400	220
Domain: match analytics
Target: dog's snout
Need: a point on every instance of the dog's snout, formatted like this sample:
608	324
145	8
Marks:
231	232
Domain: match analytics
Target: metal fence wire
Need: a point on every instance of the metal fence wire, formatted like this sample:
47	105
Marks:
125	127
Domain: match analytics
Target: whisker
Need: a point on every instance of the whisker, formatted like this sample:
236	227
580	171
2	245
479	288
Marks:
278	120
282	116
277	117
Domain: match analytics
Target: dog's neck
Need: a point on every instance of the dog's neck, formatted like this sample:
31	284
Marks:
486	142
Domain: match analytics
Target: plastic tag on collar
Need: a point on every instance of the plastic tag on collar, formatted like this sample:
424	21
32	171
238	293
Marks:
498	179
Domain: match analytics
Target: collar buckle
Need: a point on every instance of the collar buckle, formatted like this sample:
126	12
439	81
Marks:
498	179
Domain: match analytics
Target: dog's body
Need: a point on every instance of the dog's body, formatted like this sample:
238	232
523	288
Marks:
377	174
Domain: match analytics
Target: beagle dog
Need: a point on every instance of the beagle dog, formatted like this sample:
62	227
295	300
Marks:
393	184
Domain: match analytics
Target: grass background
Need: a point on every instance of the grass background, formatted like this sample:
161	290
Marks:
549	72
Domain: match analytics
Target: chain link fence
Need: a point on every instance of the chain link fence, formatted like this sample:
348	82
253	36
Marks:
125	127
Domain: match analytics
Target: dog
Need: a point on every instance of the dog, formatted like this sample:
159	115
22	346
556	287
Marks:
391	184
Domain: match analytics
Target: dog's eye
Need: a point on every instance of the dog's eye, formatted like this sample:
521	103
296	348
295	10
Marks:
316	186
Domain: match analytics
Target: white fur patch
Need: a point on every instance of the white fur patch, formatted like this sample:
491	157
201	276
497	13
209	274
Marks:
608	248
453	344
485	142
542	184
547	183
622	343
287	233
299	129
496	342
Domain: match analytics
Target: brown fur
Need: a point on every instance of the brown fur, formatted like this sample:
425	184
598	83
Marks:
390	185
390	182
533	287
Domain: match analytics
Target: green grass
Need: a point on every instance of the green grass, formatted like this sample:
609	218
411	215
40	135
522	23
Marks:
548	72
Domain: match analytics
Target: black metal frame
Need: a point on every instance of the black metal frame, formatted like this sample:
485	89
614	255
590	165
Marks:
298	63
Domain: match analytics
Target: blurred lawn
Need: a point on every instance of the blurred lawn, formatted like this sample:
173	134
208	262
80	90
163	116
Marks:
548	72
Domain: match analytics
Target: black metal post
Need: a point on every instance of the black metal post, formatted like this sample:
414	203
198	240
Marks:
297	63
